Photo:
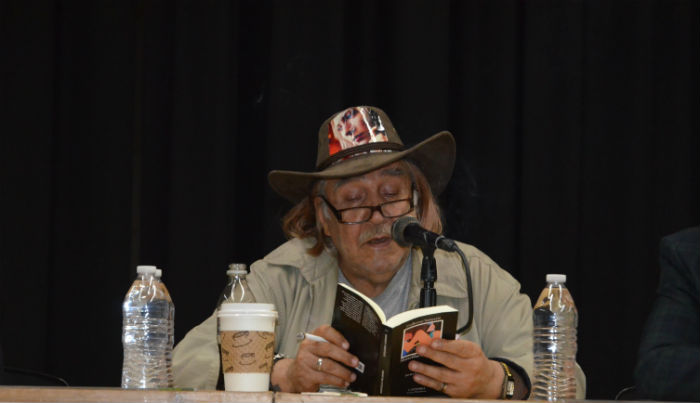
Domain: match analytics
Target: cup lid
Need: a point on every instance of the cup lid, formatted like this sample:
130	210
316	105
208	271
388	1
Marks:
235	309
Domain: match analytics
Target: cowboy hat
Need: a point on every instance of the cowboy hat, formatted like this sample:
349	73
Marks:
361	139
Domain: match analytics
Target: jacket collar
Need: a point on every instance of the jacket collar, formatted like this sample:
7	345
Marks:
293	253
451	281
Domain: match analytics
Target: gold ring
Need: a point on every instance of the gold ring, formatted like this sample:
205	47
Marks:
319	364
442	388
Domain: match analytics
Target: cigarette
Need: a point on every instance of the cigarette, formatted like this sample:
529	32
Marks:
301	336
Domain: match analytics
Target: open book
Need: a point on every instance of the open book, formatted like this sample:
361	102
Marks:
385	346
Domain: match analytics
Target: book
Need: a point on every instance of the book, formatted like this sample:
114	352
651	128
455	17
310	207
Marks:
385	346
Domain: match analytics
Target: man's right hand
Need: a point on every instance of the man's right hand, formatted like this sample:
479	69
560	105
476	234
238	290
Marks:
317	363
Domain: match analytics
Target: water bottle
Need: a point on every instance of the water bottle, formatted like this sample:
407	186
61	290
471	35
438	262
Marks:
555	319
171	319
236	290
147	333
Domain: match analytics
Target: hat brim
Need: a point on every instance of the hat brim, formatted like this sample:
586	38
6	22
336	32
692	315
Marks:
435	157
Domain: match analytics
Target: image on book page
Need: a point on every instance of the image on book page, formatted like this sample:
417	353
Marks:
422	333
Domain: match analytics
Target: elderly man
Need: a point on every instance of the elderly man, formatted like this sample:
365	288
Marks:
340	231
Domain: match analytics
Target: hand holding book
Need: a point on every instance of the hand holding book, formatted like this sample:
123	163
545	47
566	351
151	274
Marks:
465	372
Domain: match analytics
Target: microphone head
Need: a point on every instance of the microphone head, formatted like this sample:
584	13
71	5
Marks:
398	228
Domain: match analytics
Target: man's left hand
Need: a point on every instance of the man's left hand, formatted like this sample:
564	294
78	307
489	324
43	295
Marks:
467	373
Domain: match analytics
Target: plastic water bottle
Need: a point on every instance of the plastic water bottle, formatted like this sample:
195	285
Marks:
236	290
171	320
555	319
146	334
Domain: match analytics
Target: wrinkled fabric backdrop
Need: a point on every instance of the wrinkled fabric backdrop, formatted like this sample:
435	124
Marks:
141	132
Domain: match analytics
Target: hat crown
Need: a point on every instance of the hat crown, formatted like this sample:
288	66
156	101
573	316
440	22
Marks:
370	142
354	131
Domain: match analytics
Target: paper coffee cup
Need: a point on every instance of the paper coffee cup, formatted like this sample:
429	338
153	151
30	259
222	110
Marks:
247	333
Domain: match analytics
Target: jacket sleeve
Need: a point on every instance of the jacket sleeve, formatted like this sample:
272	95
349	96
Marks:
196	357
502	313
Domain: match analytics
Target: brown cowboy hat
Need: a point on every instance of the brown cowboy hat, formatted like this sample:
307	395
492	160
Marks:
361	139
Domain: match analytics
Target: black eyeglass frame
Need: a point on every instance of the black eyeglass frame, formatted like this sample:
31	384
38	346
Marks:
377	207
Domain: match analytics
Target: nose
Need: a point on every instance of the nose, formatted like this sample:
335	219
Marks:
377	217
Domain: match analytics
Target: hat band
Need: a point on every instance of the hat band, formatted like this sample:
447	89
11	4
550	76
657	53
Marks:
383	146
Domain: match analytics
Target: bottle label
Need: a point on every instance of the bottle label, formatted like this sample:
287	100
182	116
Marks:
247	351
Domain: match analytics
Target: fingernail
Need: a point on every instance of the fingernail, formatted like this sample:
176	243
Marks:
353	377
355	361
420	350
437	343
347	384
346	345
412	365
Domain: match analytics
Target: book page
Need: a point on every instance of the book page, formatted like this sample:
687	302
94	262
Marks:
354	307
416	313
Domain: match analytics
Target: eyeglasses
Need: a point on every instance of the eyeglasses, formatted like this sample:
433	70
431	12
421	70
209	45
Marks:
359	215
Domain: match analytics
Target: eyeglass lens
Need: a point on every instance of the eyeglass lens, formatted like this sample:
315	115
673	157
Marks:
392	209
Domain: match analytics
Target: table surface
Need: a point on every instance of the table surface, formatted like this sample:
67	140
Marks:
77	394
92	394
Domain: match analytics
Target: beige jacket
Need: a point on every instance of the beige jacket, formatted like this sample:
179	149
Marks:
303	287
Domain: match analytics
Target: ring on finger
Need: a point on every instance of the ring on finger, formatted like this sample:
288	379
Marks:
443	387
319	364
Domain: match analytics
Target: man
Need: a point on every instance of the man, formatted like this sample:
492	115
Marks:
669	353
340	230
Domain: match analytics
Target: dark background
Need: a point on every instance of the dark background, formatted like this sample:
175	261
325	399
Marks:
141	132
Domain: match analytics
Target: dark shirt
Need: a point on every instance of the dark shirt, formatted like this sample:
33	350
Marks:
668	367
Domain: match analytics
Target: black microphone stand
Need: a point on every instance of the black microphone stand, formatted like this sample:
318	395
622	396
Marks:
428	273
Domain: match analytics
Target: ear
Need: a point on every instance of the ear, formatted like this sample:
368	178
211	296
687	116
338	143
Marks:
320	217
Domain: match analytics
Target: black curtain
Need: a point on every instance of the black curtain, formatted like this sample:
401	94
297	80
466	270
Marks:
141	132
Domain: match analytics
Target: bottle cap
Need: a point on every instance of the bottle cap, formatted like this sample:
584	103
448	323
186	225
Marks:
237	268
145	269
556	278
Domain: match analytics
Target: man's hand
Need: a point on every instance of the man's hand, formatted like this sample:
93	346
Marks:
317	363
467	372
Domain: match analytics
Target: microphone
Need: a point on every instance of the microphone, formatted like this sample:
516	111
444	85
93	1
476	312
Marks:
406	231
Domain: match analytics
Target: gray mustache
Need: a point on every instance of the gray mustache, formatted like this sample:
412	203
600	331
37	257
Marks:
378	230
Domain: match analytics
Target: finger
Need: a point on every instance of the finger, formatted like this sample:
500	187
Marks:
431	383
461	348
330	350
333	336
331	368
449	360
306	376
438	374
329	379
454	354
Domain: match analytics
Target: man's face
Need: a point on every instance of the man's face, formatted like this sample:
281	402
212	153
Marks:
366	252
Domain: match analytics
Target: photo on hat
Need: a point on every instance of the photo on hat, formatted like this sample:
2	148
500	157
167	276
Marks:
355	126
